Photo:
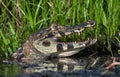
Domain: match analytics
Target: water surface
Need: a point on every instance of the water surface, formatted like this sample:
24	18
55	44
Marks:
65	67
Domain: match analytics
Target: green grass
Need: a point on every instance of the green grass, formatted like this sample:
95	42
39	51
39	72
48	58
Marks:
20	18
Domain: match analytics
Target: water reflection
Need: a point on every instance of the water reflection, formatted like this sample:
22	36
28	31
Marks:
64	67
59	65
9	70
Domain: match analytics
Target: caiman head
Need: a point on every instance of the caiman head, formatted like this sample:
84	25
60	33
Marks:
47	42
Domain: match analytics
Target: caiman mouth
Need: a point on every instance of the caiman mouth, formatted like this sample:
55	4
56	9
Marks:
75	40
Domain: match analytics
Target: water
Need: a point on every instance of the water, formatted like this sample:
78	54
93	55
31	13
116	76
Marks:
9	70
65	67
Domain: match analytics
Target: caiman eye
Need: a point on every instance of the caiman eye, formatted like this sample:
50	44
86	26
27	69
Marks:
46	43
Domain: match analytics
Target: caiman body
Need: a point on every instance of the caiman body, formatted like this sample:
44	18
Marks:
46	42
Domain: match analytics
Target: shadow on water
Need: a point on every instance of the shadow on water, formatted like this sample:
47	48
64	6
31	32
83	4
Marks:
64	67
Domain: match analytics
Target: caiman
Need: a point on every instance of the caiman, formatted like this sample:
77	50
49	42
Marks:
46	42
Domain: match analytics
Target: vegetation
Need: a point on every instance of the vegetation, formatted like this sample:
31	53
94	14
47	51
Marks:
20	18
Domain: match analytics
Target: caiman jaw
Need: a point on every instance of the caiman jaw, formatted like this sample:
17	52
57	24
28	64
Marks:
52	45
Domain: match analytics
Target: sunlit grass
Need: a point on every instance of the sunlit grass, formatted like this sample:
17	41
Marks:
20	18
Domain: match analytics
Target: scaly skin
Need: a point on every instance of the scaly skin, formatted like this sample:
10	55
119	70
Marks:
46	42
